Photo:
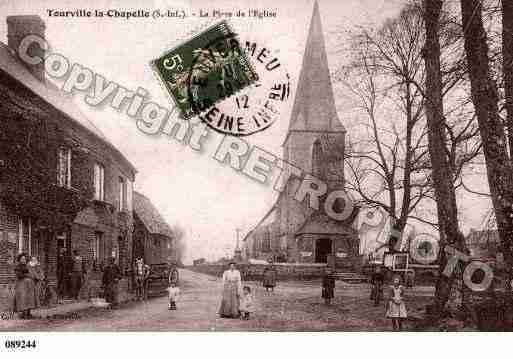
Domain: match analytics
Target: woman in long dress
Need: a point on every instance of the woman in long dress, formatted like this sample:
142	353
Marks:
396	308
24	292
269	278
231	293
36	273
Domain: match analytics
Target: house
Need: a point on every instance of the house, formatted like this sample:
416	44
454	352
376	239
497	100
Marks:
483	243
153	237
315	143
63	185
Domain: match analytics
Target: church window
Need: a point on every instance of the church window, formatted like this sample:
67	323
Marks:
318	163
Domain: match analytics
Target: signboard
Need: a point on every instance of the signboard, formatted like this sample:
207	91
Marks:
306	254
388	260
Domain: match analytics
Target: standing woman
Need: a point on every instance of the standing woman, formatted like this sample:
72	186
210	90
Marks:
269	278
36	273
231	293
396	308
24	293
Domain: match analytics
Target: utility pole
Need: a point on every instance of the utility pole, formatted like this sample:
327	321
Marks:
238	253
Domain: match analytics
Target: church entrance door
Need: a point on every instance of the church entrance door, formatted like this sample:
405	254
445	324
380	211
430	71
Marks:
322	250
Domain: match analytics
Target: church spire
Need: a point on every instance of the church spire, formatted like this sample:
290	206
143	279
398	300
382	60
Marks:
314	104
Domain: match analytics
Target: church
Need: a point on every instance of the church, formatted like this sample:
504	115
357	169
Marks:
315	142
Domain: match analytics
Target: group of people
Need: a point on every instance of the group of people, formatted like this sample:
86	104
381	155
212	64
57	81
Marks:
71	272
395	305
142	273
29	291
237	300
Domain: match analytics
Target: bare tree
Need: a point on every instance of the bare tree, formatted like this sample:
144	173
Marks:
391	167
485	99
442	171
507	67
383	167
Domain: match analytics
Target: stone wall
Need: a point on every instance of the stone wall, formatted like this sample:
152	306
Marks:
285	271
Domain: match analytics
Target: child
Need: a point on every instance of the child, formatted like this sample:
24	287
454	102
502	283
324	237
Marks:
174	292
246	303
396	308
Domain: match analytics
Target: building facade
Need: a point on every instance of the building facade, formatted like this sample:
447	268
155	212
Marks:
153	237
64	186
483	243
315	143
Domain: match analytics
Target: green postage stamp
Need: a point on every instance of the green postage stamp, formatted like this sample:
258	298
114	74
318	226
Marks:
204	70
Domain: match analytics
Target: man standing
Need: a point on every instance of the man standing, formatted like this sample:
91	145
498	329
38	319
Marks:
111	276
328	286
62	273
140	276
377	280
77	274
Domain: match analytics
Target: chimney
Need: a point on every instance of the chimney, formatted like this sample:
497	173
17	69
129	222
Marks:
20	26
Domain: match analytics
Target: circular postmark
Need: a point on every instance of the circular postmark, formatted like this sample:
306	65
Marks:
237	89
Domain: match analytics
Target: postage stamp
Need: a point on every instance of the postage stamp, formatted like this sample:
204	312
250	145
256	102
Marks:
204	70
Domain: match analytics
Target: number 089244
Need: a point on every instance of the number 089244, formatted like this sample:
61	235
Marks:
20	344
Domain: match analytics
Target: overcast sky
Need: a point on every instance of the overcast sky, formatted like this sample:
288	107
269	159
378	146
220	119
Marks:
191	189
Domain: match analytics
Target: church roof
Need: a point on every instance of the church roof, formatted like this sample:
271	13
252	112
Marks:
314	105
320	223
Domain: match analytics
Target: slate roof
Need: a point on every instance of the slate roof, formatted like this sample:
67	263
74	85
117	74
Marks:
150	215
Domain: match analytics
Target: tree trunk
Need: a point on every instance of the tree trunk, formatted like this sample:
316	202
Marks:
441	170
507	68
491	128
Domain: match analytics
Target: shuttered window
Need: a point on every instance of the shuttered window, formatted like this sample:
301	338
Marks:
99	182
64	167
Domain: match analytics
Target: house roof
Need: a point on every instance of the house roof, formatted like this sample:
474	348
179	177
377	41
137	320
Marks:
150	216
60	100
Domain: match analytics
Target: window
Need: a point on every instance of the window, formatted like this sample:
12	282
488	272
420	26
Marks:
25	236
99	182
122	194
129	195
97	248
64	167
318	166
266	242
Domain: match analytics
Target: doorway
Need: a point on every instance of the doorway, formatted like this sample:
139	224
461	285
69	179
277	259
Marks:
322	250
63	264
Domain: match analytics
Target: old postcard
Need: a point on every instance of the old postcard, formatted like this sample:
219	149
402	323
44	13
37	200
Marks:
233	166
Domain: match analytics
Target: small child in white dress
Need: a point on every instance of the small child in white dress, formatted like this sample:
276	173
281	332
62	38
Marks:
246	303
174	293
396	309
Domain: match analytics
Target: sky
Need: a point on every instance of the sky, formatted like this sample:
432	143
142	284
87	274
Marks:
192	190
